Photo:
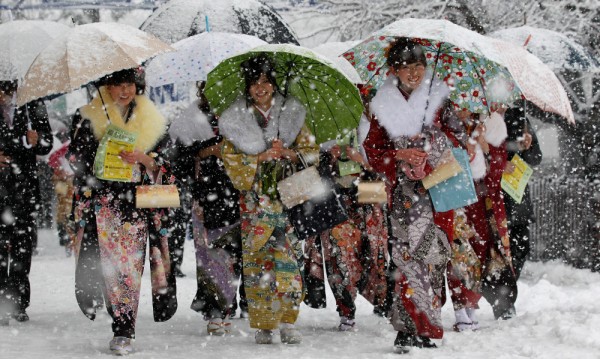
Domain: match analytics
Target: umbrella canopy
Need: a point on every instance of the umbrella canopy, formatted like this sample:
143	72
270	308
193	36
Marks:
333	51
84	54
196	56
537	81
178	19
451	51
333	103
21	41
554	49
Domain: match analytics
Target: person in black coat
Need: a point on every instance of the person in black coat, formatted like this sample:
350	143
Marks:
24	133
522	141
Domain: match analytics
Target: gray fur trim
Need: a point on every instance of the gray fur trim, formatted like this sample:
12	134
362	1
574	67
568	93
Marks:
238	124
191	125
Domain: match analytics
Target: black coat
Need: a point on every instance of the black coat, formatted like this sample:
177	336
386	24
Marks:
24	164
212	188
516	121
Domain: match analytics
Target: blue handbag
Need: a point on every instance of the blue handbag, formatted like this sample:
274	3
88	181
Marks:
458	191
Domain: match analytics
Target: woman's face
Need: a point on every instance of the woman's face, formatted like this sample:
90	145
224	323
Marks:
122	93
262	92
410	75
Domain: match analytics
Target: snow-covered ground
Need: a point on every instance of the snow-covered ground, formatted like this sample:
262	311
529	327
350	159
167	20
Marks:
558	317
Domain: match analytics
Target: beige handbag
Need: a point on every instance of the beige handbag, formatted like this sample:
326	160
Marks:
448	168
157	196
371	192
300	187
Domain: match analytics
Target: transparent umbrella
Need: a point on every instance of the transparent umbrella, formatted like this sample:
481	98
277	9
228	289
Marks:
194	57
85	54
21	41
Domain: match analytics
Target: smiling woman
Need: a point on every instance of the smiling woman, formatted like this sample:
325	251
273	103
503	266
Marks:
265	134
112	234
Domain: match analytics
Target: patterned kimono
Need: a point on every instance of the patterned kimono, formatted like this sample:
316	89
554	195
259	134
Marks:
112	234
270	249
354	253
490	242
419	245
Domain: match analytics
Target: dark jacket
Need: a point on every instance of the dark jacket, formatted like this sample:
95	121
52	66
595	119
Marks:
24	170
516	122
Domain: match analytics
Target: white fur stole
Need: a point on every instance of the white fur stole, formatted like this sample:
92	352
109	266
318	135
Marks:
400	117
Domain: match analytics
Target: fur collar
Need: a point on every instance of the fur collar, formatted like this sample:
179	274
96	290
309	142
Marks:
238	124
400	117
495	129
145	120
191	125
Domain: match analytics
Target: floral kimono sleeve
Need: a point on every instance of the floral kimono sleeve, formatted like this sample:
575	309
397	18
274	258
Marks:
241	168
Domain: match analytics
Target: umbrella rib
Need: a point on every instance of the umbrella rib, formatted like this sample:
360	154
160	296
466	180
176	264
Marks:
316	79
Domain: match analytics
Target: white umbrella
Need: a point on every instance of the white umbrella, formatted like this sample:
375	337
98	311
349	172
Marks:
333	51
85	54
553	48
537	81
196	56
21	41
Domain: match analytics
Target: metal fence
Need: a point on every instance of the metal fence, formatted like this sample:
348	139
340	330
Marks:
567	221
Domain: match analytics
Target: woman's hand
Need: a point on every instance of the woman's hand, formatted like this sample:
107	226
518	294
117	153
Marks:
356	156
412	156
335	151
32	137
269	155
139	157
4	160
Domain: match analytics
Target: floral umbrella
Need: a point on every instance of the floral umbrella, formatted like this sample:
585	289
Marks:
476	81
333	103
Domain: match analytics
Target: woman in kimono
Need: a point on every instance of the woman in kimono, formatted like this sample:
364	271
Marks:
214	212
484	137
404	142
112	234
264	134
354	251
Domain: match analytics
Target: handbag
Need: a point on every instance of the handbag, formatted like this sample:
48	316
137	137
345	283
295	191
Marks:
300	187
157	196
448	168
371	192
457	191
318	213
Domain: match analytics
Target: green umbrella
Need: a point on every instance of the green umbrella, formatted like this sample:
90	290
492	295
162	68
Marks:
333	103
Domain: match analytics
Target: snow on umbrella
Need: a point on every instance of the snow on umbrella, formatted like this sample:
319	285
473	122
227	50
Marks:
554	49
333	103
333	51
194	57
84	54
178	19
453	54
21	41
537	81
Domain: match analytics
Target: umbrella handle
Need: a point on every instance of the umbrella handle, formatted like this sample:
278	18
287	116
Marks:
24	138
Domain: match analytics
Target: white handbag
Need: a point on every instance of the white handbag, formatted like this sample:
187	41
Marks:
301	186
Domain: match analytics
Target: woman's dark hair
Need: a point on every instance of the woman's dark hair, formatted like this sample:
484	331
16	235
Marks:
134	76
8	87
404	51
254	67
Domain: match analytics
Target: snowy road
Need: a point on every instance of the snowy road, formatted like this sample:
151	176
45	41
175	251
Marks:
558	317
